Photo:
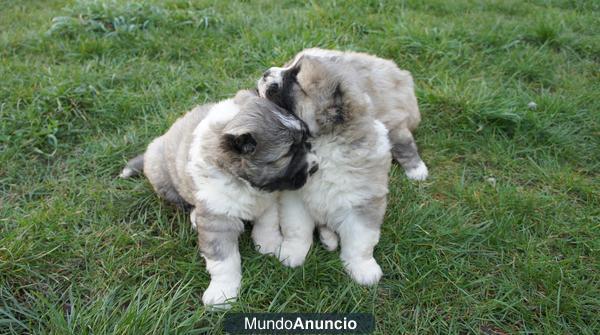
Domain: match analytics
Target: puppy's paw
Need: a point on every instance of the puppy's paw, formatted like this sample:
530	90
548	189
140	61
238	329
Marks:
219	295
193	220
365	272
328	238
419	173
268	244
127	173
293	253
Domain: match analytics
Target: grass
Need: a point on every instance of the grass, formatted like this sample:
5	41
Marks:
503	238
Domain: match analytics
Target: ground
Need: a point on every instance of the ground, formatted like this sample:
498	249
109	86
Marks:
504	237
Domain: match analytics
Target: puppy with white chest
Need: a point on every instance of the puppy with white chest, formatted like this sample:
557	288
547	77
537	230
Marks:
346	197
228	161
390	89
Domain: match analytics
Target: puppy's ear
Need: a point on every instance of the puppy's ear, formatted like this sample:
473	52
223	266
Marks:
336	113
243	144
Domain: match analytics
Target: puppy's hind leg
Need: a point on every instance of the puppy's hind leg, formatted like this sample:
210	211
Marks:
134	167
156	170
405	152
265	232
328	238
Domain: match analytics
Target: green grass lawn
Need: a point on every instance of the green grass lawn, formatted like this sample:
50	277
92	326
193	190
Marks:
504	237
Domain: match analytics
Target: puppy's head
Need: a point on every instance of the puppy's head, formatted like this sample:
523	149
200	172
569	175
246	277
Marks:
319	91
266	145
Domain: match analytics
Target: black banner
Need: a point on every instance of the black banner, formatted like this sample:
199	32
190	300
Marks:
299	323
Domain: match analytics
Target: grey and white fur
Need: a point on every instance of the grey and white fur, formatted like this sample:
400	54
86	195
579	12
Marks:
228	161
390	90
346	197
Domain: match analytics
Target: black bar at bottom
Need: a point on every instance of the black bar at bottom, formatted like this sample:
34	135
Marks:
299	323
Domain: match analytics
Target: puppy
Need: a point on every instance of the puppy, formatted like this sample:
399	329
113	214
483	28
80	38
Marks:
389	88
226	161
347	195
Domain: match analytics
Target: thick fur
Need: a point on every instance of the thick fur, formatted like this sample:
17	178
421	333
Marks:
347	195
390	90
226	161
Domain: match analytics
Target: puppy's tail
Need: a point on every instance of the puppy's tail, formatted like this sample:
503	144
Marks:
134	167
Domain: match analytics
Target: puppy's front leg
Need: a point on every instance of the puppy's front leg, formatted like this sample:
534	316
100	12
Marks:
218	242
296	227
265	233
359	233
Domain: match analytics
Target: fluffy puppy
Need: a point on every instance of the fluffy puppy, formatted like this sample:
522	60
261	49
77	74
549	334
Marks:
226	161
347	195
389	88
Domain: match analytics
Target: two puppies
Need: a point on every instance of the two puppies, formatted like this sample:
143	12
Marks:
233	160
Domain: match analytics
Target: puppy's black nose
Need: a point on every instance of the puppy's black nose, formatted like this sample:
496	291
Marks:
313	169
266	74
